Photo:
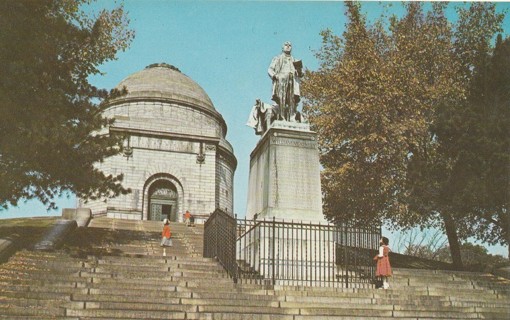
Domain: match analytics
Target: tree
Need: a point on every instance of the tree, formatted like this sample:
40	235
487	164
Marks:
480	139
363	161
369	103
491	213
51	128
470	138
474	256
376	103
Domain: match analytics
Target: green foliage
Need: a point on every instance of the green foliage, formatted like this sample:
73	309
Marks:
51	129
474	256
389	103
477	134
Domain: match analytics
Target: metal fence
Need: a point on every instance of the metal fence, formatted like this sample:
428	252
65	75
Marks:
292	253
220	241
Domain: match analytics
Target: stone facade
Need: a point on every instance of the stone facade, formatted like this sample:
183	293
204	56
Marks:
176	158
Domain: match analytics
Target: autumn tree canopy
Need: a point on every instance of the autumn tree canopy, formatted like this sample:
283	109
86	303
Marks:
381	103
50	115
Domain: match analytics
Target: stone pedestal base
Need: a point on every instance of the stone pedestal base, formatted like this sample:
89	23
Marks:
293	255
285	175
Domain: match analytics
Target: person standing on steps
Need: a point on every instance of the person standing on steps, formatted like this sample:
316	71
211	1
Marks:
166	235
187	218
383	262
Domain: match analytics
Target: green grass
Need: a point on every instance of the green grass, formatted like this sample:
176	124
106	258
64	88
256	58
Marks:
28	222
25	231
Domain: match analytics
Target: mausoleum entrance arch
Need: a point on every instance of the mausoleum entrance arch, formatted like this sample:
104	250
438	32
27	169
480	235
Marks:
162	198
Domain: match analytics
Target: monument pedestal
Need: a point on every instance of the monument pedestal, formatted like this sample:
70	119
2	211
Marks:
290	241
284	178
290	253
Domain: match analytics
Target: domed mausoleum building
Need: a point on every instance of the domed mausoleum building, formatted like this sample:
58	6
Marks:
176	156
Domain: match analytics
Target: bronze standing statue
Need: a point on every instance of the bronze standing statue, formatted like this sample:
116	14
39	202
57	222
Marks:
285	71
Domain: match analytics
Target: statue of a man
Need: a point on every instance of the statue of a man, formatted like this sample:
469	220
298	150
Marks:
285	72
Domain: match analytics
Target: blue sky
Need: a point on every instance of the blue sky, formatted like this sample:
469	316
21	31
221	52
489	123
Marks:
226	47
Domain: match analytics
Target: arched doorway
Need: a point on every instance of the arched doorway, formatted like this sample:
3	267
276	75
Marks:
163	201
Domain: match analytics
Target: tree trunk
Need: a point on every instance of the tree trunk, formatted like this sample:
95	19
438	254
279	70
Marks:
504	217
507	233
453	240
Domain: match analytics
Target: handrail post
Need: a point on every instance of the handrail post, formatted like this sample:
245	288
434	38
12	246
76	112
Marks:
273	252
234	247
346	258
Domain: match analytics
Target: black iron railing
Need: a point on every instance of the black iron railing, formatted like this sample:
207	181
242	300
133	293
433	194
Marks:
292	253
220	241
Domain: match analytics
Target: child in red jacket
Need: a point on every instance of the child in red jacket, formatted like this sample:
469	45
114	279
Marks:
166	240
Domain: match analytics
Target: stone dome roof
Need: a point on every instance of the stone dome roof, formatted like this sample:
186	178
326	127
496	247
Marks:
164	81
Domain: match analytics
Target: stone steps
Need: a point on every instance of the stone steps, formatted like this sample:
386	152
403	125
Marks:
126	276
156	270
385	313
154	276
126	306
147	261
11	309
6	288
57	268
239	316
134	285
125	314
164	298
357	317
35	317
43	283
6	294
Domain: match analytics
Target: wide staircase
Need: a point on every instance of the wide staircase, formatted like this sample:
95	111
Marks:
117	270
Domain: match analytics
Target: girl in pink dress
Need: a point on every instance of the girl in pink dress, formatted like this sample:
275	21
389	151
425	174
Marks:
383	262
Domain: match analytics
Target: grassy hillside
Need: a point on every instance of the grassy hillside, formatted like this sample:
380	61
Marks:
25	231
